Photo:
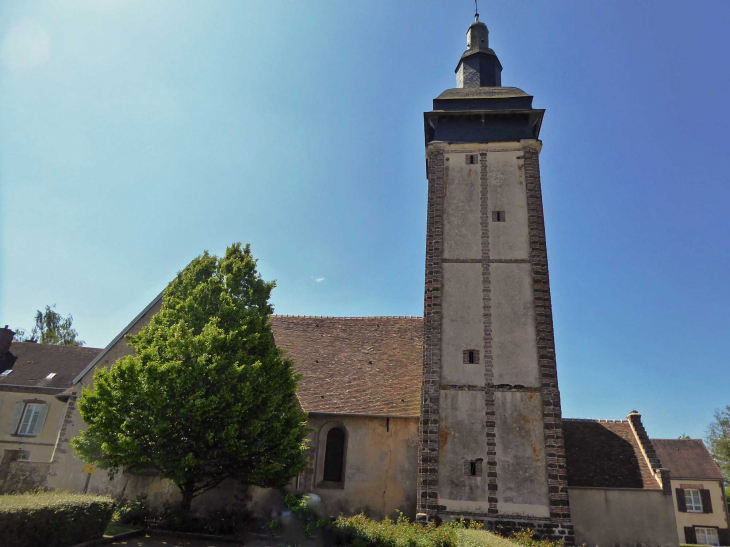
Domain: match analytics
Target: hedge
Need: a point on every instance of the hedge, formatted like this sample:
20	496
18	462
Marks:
53	519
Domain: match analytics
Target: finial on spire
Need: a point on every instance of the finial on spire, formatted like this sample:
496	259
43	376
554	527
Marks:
476	11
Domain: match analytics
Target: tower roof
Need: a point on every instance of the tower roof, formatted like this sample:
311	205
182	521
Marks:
479	65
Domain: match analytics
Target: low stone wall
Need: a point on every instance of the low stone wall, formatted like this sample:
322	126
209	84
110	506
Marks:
623	517
22	476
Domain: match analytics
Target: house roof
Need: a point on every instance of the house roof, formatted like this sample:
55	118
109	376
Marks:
605	454
355	365
31	363
687	459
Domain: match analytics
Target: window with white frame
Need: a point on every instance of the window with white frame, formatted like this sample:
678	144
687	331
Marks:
29	421
693	500
707	536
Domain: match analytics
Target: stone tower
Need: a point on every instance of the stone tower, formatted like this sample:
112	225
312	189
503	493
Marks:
491	435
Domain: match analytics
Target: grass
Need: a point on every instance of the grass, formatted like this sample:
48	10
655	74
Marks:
480	538
115	529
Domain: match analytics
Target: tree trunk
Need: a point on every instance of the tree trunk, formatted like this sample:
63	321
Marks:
187	496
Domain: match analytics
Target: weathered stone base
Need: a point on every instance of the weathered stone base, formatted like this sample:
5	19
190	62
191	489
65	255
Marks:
553	530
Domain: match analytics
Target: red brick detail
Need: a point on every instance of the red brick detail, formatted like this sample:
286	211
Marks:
428	428
552	414
488	361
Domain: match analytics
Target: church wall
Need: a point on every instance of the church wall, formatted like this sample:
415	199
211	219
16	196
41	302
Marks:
622	517
491	411
380	466
66	467
521	454
514	343
462	324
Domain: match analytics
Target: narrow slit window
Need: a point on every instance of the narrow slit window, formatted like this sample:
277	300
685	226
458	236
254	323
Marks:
471	356
498	216
473	468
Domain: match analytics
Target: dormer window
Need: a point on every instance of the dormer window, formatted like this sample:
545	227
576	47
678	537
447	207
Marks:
50	376
6	372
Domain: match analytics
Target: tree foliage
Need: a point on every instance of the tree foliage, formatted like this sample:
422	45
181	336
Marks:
51	328
207	396
718	439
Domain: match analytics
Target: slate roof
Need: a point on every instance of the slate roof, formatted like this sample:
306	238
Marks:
686	459
31	363
481	92
355	365
605	454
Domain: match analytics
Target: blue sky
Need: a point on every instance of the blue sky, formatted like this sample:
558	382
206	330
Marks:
136	134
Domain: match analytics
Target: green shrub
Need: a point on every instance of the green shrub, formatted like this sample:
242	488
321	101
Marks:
360	531
136	512
526	538
53	519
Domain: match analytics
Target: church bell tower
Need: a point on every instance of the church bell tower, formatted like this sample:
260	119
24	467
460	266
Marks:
491	443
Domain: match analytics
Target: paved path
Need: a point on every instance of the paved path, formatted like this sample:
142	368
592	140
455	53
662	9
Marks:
145	540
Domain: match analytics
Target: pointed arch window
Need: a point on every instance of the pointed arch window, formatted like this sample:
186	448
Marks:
334	455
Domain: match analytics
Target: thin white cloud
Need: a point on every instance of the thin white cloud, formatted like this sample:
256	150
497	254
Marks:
318	279
26	45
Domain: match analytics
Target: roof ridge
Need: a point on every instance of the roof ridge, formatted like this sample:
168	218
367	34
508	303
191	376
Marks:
594	420
349	316
653	439
65	346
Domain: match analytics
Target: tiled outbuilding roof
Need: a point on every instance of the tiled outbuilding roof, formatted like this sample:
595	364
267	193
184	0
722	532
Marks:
605	454
31	364
686	459
355	365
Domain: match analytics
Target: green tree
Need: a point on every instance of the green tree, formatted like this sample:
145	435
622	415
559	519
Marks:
207	396
718	439
51	328
684	437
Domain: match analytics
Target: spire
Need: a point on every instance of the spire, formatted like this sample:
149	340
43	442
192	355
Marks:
478	66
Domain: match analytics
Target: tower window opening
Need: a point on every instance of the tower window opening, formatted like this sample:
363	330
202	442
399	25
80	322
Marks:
498	216
473	468
471	357
472	159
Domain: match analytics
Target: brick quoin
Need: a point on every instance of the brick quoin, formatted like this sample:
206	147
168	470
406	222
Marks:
551	410
428	428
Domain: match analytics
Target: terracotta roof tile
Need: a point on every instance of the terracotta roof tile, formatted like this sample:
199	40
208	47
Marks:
355	365
686	459
31	363
605	454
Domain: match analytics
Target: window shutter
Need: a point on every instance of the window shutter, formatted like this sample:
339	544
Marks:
724	535
706	501
41	420
689	533
681	502
15	419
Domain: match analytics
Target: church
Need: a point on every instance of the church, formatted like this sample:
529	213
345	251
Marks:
456	413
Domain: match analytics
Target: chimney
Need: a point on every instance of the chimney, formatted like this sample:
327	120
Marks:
6	338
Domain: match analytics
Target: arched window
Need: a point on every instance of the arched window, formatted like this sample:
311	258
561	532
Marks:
334	455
